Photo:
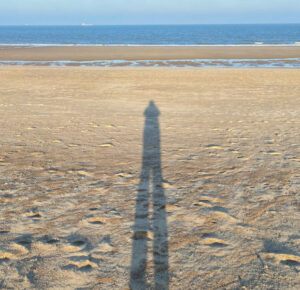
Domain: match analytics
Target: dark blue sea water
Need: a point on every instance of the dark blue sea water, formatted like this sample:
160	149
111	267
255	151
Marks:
152	35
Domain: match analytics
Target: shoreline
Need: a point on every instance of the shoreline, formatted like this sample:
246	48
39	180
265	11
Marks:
141	53
198	63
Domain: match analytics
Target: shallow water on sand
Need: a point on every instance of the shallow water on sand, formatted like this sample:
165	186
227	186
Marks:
238	63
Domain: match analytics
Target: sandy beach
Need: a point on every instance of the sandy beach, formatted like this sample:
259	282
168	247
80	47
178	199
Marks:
103	189
90	53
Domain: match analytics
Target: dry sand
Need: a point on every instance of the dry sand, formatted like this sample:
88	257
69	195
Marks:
89	53
223	200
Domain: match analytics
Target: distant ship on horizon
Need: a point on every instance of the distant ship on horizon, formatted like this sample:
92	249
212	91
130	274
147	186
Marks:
86	24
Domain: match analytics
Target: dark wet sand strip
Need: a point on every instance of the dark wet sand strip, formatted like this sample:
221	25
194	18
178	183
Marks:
90	53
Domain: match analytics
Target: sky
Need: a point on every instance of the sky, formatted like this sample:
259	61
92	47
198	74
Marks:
70	12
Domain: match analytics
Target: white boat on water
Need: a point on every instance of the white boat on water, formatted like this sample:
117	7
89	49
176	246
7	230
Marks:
86	24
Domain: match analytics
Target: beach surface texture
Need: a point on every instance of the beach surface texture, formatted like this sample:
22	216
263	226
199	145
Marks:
149	178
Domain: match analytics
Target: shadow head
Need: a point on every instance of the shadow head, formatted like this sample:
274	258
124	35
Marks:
151	111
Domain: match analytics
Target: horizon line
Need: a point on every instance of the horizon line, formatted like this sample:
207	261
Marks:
148	24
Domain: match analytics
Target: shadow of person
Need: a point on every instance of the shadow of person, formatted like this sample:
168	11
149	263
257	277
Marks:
147	228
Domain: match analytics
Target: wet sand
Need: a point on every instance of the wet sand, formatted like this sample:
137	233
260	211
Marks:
102	189
90	53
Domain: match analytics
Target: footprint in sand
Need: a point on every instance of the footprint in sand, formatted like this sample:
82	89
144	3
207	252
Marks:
202	203
208	202
214	242
285	259
172	208
110	126
76	243
82	264
73	145
33	214
105	247
167	185
93	208
49	240
6	257
18	249
221	215
85	173
71	248
107	145
25	241
280	253
124	175
45	245
81	173
44	248
210	199
97	220
141	235
15	250
57	141
218	209
272	152
214	147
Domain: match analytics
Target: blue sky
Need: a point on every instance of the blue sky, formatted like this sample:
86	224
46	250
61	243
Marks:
148	11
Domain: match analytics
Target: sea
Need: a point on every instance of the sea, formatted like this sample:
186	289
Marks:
157	35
